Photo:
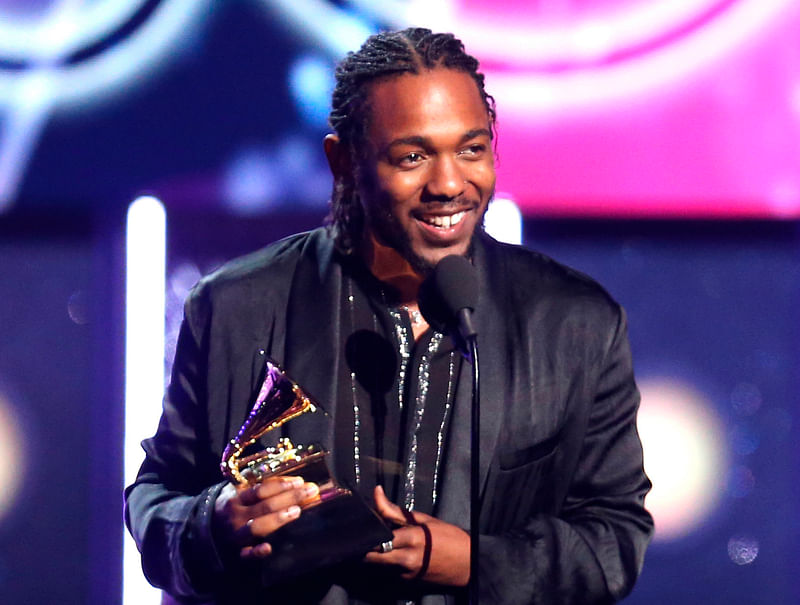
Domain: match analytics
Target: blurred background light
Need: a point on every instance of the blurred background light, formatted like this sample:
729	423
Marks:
79	307
741	481
145	290
251	181
180	281
290	172
48	79
503	220
583	55
13	453
331	28
311	84
742	550
79	24
746	398
685	455
29	28
545	33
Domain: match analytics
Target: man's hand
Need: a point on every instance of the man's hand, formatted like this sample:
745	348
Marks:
447	546
246	515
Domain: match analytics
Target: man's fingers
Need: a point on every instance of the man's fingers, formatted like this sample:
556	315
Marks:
266	516
282	500
407	548
268	488
259	528
273	504
386	509
259	551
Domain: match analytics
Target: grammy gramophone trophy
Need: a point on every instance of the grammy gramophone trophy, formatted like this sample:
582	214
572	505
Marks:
335	525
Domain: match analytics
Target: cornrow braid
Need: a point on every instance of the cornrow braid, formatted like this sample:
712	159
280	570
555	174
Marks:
382	56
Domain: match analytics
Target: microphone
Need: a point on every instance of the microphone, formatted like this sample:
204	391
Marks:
453	292
457	281
449	296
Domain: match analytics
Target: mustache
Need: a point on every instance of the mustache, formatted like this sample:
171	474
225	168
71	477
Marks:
455	204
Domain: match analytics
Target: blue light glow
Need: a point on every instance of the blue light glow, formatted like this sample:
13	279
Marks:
335	30
251	182
29	95
311	83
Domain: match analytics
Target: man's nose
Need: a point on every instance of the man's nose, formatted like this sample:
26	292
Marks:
446	179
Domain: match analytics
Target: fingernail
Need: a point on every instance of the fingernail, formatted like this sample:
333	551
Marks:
292	512
293	481
262	549
311	489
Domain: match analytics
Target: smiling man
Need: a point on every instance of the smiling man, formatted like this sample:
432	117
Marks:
562	485
427	168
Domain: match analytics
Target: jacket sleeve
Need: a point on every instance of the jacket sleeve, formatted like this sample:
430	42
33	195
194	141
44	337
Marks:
591	550
168	508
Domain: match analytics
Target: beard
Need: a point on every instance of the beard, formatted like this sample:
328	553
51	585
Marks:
383	223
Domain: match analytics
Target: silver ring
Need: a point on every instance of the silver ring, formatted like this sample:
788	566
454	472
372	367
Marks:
386	547
249	523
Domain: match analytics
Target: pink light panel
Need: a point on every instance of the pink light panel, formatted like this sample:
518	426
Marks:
643	108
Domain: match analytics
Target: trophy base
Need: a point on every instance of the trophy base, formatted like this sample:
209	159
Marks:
335	525
331	532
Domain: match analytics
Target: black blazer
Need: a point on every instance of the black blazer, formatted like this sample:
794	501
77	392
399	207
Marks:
562	518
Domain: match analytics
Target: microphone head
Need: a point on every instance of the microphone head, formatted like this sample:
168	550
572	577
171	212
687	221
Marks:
451	287
456	280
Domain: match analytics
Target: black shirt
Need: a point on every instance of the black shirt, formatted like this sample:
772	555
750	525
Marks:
394	433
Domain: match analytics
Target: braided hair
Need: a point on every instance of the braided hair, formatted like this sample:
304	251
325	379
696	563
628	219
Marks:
383	56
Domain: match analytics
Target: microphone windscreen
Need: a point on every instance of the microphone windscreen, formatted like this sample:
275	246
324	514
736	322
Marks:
456	280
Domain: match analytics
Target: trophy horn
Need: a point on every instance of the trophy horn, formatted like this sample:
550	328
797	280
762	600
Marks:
279	400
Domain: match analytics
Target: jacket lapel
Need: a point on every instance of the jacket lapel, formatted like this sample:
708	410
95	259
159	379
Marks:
312	336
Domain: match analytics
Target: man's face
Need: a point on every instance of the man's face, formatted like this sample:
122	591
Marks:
428	172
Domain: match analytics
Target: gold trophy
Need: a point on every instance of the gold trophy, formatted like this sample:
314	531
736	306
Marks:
336	524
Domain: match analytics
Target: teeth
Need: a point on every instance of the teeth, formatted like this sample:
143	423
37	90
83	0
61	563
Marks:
445	222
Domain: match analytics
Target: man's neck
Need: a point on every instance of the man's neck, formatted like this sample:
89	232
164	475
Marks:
390	267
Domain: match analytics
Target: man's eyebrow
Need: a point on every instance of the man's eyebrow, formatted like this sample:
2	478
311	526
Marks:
420	141
475	133
417	141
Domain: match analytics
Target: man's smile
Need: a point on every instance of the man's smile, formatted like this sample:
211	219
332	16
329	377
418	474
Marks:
444	227
444	222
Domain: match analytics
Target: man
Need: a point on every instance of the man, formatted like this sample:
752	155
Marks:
562	485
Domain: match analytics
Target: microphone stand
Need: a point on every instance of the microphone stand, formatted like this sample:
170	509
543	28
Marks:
469	337
455	293
474	503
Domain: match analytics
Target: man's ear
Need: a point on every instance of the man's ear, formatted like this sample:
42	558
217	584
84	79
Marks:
339	160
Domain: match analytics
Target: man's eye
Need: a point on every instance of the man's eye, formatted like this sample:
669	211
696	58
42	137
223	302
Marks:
474	150
411	158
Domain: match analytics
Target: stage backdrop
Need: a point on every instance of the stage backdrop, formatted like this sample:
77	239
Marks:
652	144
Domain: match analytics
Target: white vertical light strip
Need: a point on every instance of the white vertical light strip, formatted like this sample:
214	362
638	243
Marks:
144	360
503	221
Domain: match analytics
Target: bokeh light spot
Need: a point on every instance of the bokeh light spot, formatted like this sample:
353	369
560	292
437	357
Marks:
251	182
778	423
311	84
746	398
11	461
78	307
741	482
742	550
684	454
744	439
503	220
